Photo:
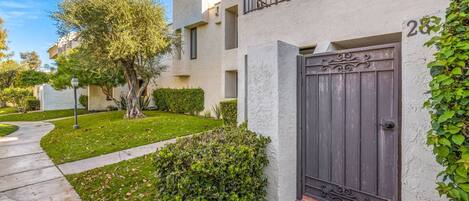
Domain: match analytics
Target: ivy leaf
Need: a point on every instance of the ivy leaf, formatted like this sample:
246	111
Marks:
445	141
461	171
447	115
458	139
453	129
464	187
443	151
457	71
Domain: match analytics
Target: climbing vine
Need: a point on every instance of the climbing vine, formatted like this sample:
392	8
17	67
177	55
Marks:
449	101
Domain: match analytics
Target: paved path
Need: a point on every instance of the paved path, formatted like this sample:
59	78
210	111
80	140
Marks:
26	172
108	159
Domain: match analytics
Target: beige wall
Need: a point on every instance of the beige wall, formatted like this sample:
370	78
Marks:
97	100
307	23
205	71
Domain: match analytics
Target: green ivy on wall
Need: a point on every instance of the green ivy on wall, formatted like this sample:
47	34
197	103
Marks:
449	101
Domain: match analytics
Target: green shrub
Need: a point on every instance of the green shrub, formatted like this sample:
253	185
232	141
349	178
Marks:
184	101
32	104
224	164
17	96
229	111
83	101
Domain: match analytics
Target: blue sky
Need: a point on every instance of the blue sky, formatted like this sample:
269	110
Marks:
30	27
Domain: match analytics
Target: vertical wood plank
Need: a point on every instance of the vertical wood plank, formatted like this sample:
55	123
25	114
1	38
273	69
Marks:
311	127
387	149
324	127
338	129
352	135
369	145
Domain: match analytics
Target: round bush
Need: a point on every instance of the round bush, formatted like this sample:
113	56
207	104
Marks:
224	164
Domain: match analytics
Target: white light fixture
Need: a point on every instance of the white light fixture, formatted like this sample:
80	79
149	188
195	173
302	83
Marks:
75	82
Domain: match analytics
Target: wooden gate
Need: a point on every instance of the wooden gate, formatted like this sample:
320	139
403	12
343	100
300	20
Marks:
349	124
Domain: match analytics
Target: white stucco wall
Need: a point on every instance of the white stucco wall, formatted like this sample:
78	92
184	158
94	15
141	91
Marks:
52	99
191	12
305	23
419	169
205	71
272	113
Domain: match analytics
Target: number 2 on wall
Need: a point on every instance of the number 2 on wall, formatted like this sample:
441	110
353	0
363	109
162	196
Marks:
414	28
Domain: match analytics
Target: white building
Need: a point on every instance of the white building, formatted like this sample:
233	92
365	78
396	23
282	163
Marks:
50	98
337	85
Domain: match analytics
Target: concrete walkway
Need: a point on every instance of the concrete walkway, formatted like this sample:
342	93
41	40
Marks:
108	159
26	172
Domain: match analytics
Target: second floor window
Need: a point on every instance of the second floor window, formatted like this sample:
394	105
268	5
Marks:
193	43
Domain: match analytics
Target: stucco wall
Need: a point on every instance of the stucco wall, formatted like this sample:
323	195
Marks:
191	12
272	103
205	71
419	169
52	99
305	23
97	100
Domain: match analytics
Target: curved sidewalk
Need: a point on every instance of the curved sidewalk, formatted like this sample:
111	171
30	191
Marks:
26	172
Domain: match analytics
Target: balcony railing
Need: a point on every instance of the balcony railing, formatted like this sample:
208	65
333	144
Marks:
253	5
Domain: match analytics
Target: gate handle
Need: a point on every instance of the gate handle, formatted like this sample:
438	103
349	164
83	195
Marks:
388	125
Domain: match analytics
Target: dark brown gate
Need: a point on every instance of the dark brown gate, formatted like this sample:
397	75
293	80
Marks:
349	124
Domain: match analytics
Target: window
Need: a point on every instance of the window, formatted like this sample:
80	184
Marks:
231	28
231	84
178	44
194	43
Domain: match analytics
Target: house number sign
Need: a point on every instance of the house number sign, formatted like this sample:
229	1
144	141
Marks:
415	29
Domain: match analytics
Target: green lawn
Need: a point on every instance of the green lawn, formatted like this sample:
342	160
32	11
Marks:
108	132
8	110
6	129
40	116
127	180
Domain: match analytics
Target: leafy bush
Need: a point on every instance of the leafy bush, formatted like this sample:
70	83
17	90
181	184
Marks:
184	101
32	104
83	101
224	164
449	101
30	78
229	111
17	97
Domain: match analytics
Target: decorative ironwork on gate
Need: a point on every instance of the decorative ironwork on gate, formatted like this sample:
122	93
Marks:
346	62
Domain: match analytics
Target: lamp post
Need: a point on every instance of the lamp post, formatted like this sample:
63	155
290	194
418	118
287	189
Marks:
75	85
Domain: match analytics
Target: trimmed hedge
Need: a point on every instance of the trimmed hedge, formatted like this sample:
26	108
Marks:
32	104
184	101
224	164
83	101
229	111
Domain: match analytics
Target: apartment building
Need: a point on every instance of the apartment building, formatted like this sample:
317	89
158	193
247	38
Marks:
337	85
207	57
52	99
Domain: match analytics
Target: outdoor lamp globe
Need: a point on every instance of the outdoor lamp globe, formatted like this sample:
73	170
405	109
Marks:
75	82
